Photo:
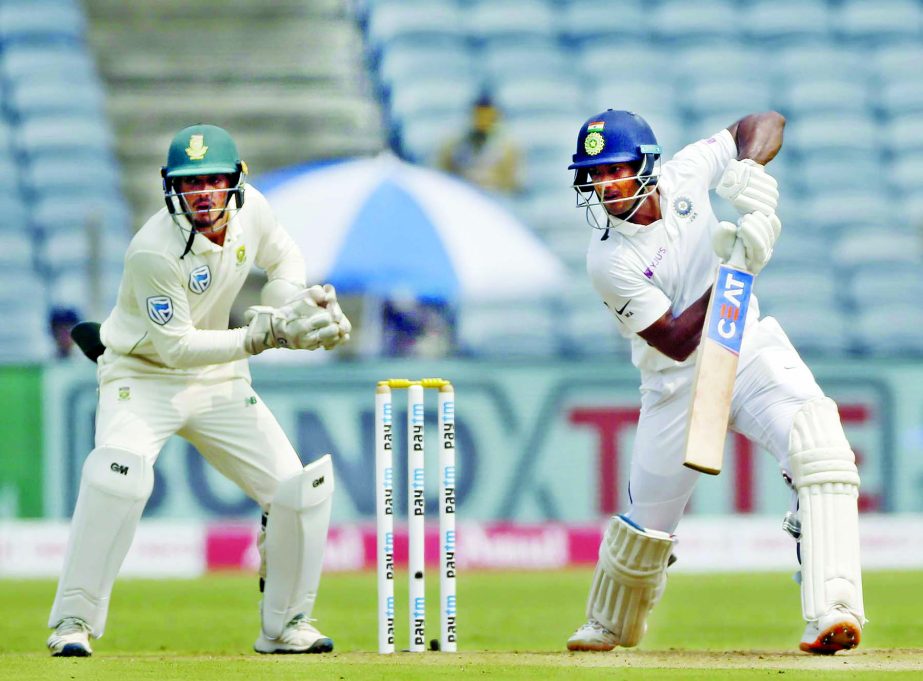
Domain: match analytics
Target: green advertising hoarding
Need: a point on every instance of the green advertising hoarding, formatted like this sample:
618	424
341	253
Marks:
21	430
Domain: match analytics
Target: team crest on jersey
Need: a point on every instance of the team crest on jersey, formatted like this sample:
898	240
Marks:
196	150
160	309
593	143
241	255
199	279
682	206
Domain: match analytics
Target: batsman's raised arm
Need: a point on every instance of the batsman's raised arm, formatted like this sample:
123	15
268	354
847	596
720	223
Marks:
758	136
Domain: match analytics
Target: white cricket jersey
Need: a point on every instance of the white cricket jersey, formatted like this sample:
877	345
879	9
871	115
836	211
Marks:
641	271
172	314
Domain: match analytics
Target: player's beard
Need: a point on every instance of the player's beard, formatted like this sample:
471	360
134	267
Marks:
207	218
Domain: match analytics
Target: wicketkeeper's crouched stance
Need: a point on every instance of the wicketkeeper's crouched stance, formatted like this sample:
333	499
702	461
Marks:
172	366
652	262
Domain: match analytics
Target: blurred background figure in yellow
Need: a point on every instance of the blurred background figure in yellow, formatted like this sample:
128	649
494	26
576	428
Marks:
483	154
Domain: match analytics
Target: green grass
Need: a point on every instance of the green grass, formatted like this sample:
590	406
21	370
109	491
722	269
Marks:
511	626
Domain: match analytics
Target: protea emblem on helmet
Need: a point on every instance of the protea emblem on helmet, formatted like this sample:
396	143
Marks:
594	143
196	150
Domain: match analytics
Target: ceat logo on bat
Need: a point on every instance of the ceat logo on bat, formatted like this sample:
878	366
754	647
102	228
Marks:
729	308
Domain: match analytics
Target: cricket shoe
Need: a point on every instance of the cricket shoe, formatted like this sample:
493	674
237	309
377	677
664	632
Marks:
837	630
71	638
592	636
298	636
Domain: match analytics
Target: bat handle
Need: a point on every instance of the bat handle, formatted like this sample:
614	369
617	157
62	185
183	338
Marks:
737	258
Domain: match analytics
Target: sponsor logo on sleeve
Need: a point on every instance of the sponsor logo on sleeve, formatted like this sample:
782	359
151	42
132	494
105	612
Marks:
199	279
655	261
160	309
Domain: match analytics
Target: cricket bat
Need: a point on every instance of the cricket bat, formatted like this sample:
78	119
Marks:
716	365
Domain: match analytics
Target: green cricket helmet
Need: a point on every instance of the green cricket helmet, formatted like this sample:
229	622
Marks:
203	150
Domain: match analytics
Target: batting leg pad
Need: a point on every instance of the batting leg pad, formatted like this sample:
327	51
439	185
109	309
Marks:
296	533
114	489
629	579
825	476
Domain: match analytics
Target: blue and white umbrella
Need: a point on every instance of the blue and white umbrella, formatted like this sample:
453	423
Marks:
384	227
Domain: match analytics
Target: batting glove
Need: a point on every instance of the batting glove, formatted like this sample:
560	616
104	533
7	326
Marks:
748	187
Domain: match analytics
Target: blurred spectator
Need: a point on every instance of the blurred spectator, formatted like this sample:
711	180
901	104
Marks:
60	322
483	154
417	328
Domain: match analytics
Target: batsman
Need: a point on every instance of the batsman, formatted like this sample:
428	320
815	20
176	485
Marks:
652	260
170	365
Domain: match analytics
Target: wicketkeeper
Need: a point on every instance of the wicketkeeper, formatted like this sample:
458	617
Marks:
172	366
652	262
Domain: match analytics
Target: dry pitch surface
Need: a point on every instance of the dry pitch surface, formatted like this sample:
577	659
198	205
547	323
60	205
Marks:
512	626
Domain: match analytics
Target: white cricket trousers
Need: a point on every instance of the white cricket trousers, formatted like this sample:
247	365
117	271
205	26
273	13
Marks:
226	421
773	382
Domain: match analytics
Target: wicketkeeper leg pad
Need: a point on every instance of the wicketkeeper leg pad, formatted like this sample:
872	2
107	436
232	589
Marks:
824	473
114	489
296	533
630	578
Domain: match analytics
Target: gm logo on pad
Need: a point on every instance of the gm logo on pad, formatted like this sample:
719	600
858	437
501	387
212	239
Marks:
729	307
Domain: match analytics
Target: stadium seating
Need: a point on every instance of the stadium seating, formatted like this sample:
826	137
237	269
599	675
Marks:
813	329
58	175
688	23
844	72
510	330
878	22
41	21
582	21
495	22
777	22
889	329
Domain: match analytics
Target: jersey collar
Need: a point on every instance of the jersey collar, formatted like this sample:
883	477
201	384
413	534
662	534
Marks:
630	228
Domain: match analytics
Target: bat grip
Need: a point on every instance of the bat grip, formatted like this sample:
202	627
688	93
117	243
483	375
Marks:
737	258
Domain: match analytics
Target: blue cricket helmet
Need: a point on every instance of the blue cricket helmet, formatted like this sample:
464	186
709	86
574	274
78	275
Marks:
615	137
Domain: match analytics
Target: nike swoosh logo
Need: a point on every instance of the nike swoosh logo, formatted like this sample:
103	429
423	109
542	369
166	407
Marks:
619	312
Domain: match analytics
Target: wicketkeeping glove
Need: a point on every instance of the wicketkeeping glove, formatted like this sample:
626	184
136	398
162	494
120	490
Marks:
326	297
300	325
748	187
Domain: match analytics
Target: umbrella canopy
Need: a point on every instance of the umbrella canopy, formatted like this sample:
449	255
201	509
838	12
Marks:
385	227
